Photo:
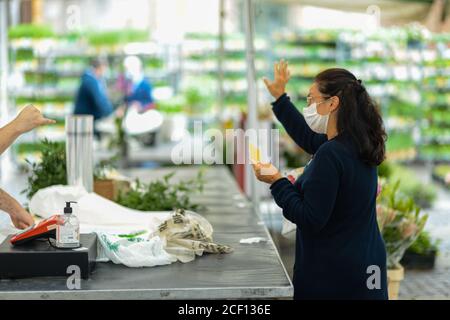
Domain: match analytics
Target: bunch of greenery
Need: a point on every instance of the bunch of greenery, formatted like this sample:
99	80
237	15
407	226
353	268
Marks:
51	170
162	195
424	244
400	221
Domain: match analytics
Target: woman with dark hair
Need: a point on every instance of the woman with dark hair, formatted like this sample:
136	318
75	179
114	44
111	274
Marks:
340	253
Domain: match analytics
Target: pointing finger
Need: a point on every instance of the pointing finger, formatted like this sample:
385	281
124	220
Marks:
45	121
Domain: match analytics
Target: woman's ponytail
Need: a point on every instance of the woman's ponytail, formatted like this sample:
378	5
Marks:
357	115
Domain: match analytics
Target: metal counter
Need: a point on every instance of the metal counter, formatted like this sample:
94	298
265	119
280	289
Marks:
252	271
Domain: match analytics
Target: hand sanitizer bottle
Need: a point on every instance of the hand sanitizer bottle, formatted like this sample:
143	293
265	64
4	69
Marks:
68	229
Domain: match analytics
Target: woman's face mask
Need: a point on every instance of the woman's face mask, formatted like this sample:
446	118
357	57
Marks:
317	122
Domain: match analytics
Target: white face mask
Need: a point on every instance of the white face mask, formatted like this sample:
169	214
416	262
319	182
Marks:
317	122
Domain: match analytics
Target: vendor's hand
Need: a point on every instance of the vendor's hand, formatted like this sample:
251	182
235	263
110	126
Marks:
29	118
266	172
21	219
281	77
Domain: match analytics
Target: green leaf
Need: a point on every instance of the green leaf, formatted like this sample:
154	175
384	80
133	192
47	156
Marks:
162	195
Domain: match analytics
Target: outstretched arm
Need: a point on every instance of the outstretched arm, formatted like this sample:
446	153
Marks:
29	118
291	119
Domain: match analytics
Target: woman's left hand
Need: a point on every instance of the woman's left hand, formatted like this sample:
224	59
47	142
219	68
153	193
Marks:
266	172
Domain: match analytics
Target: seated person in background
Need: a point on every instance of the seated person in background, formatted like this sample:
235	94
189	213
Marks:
91	98
137	87
28	119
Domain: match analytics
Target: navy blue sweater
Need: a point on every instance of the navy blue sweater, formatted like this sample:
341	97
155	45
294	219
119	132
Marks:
333	204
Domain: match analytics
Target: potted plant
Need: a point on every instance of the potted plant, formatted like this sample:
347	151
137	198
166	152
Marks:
400	222
108	182
421	255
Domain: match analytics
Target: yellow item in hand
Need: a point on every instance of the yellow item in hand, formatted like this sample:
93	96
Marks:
255	153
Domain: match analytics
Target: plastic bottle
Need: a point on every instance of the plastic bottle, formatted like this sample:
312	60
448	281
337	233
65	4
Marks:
68	229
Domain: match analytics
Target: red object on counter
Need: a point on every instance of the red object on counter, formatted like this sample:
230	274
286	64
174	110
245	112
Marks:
44	229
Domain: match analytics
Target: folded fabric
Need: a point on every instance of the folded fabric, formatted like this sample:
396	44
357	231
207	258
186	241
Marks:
185	237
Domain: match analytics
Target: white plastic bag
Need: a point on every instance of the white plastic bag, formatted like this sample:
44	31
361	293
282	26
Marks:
133	251
115	225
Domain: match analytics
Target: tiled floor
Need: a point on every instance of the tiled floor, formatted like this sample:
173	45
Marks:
431	284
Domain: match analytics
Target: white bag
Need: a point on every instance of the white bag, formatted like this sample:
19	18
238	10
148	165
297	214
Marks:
133	251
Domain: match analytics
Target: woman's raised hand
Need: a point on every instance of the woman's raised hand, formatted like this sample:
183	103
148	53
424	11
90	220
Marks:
281	77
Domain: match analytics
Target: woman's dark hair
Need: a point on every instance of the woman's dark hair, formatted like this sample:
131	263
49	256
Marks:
357	116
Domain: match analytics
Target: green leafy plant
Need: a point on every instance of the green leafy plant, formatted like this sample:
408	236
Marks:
423	194
424	244
51	170
161	195
400	221
385	170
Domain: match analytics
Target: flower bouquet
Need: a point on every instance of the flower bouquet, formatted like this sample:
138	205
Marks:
400	222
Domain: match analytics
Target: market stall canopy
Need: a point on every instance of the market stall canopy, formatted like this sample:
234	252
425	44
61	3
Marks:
393	12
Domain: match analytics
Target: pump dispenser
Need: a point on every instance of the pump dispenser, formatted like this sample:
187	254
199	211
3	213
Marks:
68	229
